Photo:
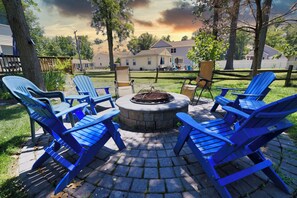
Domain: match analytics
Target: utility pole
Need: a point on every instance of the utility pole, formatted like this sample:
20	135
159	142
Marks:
78	50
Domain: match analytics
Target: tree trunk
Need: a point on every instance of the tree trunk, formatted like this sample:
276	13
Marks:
232	37
258	28
20	30
215	18
263	31
110	44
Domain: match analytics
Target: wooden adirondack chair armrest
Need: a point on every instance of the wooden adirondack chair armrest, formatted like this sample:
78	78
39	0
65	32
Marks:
236	111
84	92
186	119
242	96
107	116
106	89
224	90
71	109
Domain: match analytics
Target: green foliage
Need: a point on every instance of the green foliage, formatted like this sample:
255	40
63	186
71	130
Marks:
63	66
54	80
242	40
206	48
184	38
283	38
166	38
86	50
112	16
143	42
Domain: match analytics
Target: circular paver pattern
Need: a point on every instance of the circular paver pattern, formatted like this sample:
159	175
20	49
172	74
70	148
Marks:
147	167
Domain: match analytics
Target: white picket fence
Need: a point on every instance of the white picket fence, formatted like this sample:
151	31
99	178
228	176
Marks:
269	64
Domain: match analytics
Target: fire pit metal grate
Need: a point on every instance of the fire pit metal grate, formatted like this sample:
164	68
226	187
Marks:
151	97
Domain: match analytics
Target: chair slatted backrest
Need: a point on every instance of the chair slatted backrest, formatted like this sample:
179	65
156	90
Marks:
259	84
205	72
123	74
84	84
262	126
45	117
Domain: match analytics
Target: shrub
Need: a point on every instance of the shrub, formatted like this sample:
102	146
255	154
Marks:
206	48
54	80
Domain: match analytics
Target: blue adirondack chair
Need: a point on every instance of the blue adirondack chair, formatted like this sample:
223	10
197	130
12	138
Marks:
217	142
84	86
14	83
256	91
85	139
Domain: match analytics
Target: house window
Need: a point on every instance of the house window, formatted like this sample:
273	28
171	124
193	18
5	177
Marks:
134	62
173	50
149	61
127	61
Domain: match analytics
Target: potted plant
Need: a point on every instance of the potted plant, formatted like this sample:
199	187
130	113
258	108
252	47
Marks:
207	49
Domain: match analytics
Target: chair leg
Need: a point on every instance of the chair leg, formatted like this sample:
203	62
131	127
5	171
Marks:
200	95
93	109
112	103
55	145
32	126
214	107
269	172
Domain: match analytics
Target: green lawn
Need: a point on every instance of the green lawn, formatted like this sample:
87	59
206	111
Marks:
15	128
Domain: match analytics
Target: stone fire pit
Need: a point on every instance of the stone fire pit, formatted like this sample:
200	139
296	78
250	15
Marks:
151	117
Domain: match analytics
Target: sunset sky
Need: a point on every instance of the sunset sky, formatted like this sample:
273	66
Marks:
162	17
157	17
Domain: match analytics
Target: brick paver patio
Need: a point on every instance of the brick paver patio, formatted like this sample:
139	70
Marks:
149	168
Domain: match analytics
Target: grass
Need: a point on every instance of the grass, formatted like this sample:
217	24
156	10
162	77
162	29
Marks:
15	127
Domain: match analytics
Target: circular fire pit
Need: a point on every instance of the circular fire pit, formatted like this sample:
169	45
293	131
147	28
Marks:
151	117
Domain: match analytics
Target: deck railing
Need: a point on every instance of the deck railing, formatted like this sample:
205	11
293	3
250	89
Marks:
10	64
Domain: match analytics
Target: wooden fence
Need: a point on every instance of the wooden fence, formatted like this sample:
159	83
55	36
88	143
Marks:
12	65
287	75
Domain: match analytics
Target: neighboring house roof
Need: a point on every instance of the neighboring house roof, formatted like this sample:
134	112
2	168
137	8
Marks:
154	51
162	43
76	61
123	54
270	51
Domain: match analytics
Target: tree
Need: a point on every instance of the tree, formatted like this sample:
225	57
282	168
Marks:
133	46
166	38
112	17
85	48
184	38
36	31
232	36
242	40
66	45
20	30
143	42
260	11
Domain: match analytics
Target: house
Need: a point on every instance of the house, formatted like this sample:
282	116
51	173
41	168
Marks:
148	59
101	60
269	53
178	50
6	43
85	64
